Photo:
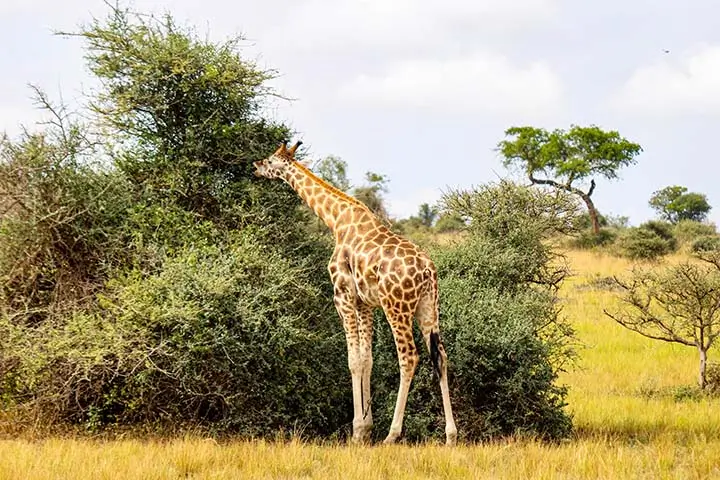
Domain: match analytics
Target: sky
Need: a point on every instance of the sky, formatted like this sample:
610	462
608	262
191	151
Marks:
422	91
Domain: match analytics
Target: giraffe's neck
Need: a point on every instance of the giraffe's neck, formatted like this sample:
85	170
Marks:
326	201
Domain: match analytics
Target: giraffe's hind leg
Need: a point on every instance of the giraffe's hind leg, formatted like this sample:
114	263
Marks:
401	325
428	319
365	336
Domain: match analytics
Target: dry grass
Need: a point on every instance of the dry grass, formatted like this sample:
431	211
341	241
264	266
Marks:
628	395
197	458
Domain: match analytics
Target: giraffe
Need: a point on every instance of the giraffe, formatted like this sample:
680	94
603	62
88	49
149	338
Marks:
371	267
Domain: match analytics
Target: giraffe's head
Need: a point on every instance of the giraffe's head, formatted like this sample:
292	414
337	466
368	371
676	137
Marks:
277	163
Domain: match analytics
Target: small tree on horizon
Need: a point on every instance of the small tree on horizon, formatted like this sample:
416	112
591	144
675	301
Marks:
675	203
680	304
427	214
371	194
566	158
333	170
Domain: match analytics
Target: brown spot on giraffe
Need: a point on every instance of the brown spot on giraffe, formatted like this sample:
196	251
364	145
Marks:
372	267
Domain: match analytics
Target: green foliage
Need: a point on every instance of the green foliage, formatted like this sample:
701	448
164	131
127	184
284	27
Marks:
642	243
706	243
587	239
499	323
417	227
371	194
333	170
663	230
449	223
675	203
569	156
427	214
412	228
513	213
608	221
649	241
59	221
713	379
686	231
234	336
185	115
111	315
584	221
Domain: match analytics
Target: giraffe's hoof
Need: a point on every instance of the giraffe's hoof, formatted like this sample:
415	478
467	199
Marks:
391	438
361	434
451	438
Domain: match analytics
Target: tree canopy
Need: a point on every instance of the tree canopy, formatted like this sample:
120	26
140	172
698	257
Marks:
675	203
333	170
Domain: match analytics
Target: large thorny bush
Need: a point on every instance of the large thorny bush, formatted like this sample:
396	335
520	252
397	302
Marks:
147	276
148	279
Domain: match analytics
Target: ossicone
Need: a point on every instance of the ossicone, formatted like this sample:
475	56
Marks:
294	148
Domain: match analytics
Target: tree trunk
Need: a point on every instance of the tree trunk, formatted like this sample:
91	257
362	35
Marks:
593	213
702	380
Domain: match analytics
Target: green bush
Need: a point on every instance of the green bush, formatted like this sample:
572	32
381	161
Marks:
641	243
61	228
712	377
233	337
449	223
664	230
584	222
706	243
107	272
687	231
588	239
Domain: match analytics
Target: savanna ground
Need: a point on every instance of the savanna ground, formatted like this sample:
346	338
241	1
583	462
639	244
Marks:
636	415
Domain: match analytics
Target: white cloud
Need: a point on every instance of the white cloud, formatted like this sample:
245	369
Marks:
342	24
686	85
478	83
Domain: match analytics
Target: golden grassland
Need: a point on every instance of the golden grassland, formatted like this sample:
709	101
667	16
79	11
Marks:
628	394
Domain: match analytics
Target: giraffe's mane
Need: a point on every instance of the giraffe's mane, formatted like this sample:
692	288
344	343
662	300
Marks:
329	187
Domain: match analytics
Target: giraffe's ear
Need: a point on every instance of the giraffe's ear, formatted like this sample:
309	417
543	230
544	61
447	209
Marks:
294	148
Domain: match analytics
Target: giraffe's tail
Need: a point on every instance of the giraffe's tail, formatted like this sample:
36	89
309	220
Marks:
435	352
434	344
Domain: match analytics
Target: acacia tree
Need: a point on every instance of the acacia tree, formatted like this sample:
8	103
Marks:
675	203
567	158
680	304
